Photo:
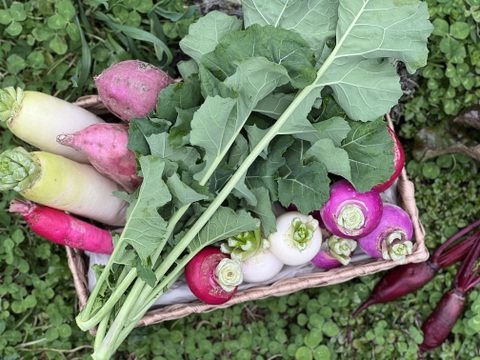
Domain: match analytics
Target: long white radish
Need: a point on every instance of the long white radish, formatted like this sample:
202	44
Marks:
37	118
56	181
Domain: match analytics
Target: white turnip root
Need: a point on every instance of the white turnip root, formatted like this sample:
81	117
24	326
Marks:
105	146
130	88
55	181
38	118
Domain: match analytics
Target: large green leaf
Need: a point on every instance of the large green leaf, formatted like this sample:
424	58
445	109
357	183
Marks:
207	32
369	149
313	19
145	227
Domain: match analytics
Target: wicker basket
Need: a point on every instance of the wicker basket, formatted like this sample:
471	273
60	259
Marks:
78	261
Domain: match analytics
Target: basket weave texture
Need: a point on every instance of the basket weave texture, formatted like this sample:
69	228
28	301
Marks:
78	261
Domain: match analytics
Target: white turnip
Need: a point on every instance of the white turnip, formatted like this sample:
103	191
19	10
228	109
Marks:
297	239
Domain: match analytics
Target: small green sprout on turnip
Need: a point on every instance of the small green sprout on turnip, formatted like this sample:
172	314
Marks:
335	252
245	244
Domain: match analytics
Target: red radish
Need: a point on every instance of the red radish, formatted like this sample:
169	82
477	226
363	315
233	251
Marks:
130	88
335	252
406	279
105	146
439	324
37	119
349	213
391	238
212	276
64	229
398	162
297	238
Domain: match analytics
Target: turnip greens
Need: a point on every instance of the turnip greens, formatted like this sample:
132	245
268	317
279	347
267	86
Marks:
269	109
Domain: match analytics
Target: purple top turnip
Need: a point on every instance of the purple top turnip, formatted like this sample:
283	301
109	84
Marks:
349	213
391	239
212	276
335	252
130	88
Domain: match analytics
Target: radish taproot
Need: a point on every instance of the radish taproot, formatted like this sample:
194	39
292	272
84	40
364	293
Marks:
349	213
62	228
398	162
55	181
439	324
130	88
212	276
391	238
25	111
105	146
297	238
334	252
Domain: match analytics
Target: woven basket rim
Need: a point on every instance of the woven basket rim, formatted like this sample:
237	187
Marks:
78	262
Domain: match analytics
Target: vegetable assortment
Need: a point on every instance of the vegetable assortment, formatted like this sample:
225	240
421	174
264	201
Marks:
278	107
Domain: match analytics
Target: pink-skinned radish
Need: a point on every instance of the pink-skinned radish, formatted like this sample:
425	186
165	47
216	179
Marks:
334	252
62	228
212	276
130	88
105	146
55	181
391	239
398	162
38	118
297	238
349	213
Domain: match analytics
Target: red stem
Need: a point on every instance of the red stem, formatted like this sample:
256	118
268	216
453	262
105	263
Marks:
458	251
455	237
465	277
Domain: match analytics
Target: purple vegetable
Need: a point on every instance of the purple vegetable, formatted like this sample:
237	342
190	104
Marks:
349	213
391	238
334	252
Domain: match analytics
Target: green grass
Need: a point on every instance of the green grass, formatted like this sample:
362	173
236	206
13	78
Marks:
43	46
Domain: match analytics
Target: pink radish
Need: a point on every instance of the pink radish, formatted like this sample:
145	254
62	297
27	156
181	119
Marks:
212	276
105	146
398	162
130	88
64	229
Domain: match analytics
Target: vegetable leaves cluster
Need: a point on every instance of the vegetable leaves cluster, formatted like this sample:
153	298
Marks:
266	114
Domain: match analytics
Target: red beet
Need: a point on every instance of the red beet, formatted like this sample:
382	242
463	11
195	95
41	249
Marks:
64	229
406	279
105	146
439	324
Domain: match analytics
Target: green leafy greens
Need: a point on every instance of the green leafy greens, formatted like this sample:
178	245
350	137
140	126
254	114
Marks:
279	103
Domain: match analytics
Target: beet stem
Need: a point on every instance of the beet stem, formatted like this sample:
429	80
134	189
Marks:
452	239
458	251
